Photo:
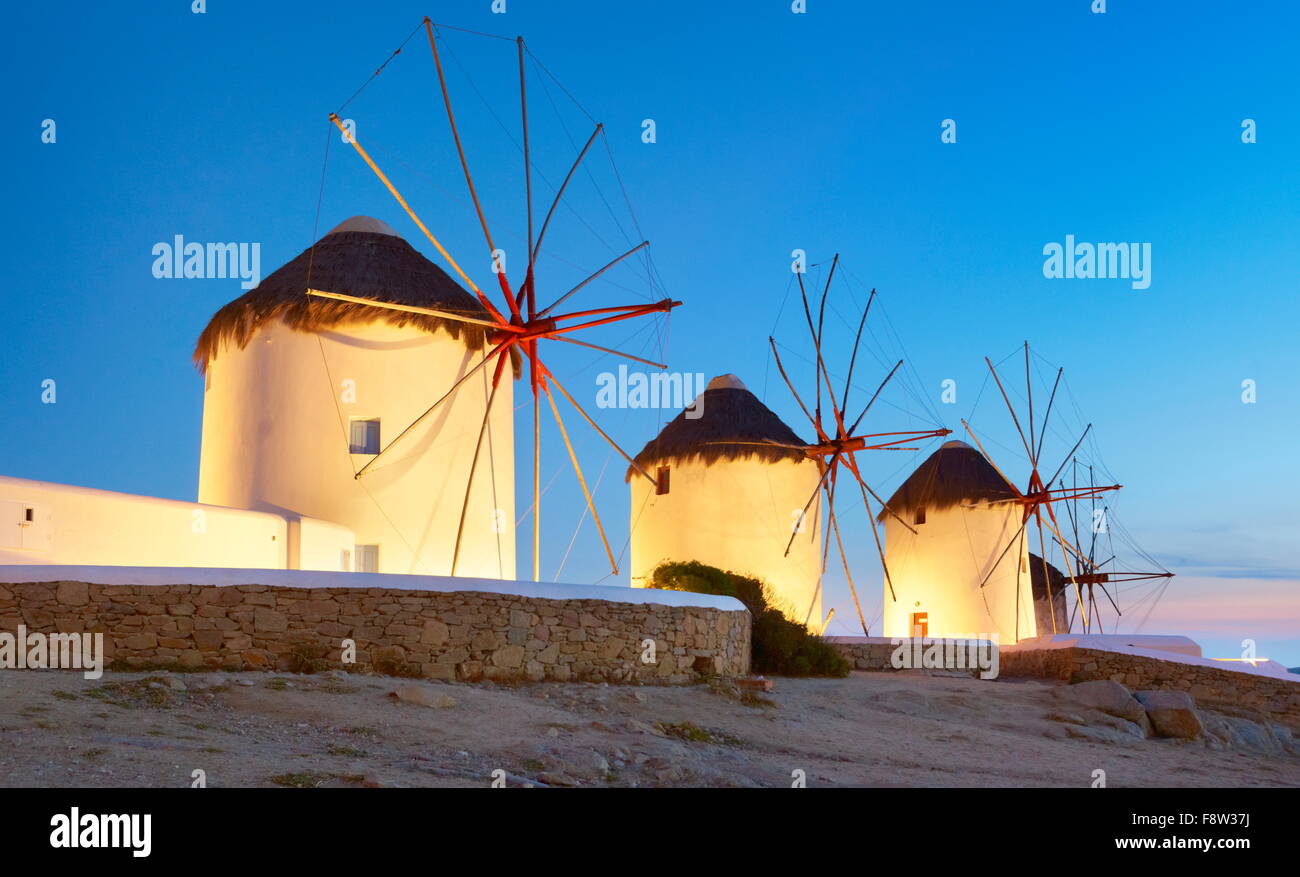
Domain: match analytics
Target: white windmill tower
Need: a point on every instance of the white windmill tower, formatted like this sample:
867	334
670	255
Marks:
964	562
322	407
945	534
731	486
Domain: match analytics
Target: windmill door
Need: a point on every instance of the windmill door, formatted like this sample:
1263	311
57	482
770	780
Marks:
14	520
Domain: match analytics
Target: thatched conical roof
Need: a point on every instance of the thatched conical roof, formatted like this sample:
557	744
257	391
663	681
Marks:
361	257
733	424
954	474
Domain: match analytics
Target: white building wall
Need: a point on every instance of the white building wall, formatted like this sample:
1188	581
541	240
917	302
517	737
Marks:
83	526
275	437
320	545
736	515
938	571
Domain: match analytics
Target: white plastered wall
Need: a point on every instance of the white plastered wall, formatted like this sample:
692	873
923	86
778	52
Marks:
275	437
736	515
938	570
84	526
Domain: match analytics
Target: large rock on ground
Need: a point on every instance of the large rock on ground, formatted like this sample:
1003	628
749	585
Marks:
1094	734
1235	732
1172	713
1108	697
422	695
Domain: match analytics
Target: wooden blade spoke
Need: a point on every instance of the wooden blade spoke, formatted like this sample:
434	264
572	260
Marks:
895	443
411	309
546	310
764	444
1047	577
1069	567
1070	507
528	173
550	376
636	310
821	318
826	471
821	327
541	235
464	163
499	350
874	396
812	330
802	407
1011	408
828	487
663	307
830	394
1042	435
1029	390
848	576
1071	454
577	469
473	466
428	234
880	548
1073	550
528	178
857	341
1009	482
535	381
1111	599
852	463
844	559
659	365
994	567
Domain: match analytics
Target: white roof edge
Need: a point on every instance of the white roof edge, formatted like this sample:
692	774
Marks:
726	382
299	578
1160	649
366	224
16	483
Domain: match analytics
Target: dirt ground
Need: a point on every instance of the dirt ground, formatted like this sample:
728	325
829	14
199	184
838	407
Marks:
333	729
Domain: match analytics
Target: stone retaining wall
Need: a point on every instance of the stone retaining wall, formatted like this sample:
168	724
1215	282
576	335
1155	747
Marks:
1279	698
875	654
462	635
867	656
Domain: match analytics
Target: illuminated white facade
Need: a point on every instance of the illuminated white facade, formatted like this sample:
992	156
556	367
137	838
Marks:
950	576
300	394
291	416
59	524
278	426
731	510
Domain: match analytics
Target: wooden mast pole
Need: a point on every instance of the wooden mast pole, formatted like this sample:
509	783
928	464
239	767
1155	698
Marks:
428	234
464	164
473	466
573	458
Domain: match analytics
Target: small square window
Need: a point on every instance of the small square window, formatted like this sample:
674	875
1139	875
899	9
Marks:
661	481
29	514
364	437
918	517
367	558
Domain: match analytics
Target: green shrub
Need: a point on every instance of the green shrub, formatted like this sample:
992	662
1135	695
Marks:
781	647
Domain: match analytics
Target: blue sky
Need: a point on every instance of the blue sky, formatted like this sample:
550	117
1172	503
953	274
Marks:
774	131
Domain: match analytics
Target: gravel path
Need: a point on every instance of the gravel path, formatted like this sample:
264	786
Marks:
333	729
